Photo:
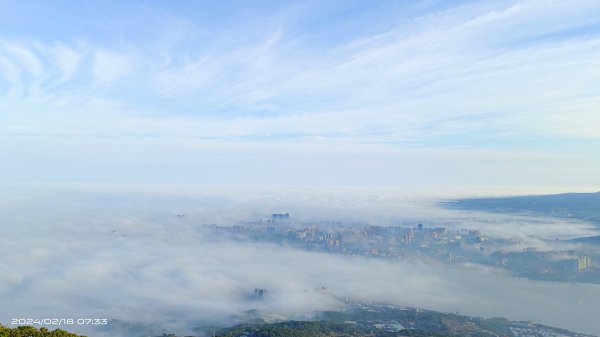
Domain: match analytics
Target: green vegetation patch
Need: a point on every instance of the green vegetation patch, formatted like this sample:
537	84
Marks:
29	331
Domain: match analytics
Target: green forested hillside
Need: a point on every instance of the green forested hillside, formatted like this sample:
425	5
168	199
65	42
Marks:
28	331
380	320
320	329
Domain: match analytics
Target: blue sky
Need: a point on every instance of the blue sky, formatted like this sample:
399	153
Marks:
352	93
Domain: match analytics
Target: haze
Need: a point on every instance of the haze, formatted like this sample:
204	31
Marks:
128	256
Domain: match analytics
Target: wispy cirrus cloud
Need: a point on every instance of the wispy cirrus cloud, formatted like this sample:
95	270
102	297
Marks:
471	76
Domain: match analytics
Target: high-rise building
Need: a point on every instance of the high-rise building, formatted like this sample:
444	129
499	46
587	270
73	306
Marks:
408	237
583	263
280	216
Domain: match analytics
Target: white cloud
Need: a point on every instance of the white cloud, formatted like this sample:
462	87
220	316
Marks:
109	65
190	77
11	74
25	57
67	60
125	255
473	77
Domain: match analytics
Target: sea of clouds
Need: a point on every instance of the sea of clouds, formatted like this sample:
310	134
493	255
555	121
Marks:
124	254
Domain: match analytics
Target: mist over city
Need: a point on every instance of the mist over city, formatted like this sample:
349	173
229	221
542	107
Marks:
144	257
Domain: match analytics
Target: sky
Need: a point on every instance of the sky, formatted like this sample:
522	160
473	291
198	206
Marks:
337	93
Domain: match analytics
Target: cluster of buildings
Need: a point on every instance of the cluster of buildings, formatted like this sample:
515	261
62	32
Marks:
524	329
381	241
402	242
389	326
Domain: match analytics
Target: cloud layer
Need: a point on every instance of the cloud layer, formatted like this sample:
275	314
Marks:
125	255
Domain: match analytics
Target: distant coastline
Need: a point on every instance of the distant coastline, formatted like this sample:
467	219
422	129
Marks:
579	206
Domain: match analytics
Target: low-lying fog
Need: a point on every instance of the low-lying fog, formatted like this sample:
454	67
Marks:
126	255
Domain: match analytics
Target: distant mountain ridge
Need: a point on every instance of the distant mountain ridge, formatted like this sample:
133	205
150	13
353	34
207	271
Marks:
581	206
591	240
